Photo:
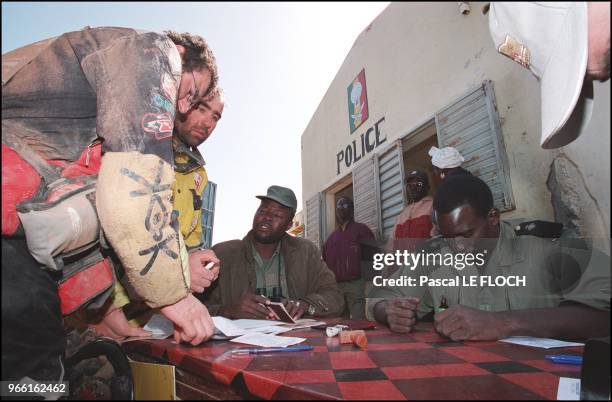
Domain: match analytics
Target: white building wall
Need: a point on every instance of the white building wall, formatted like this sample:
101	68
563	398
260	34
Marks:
419	58
583	170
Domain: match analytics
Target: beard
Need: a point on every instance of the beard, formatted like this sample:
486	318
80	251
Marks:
182	130
268	239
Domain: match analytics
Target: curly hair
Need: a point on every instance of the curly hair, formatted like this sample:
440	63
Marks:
197	55
217	91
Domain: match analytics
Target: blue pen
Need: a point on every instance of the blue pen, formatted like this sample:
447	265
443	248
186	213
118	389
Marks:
564	359
268	350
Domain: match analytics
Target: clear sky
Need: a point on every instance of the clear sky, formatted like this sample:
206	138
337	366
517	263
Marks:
276	61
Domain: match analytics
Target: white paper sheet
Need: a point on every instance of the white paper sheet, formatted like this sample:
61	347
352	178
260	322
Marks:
159	325
303	323
254	324
240	327
544	343
224	327
273	329
569	389
266	340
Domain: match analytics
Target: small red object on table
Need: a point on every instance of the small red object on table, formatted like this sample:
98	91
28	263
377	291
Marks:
357	337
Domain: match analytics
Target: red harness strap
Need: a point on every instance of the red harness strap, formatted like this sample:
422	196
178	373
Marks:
84	279
84	285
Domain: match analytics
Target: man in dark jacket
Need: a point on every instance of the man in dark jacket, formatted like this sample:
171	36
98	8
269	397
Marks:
342	253
268	264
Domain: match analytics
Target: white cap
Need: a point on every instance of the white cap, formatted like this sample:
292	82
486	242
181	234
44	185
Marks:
445	158
551	40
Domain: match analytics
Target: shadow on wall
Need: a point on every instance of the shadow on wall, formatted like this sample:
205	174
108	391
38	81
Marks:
573	203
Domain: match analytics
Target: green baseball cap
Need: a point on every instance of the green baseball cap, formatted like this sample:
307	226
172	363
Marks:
283	195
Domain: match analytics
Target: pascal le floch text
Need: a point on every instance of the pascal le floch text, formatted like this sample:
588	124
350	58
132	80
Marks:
459	280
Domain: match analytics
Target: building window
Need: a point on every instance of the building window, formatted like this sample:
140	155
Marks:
391	188
471	124
314	219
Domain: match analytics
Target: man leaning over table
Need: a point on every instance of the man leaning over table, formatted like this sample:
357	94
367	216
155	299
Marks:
191	129
270	264
566	292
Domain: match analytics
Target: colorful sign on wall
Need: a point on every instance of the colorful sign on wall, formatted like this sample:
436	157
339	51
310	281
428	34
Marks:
357	101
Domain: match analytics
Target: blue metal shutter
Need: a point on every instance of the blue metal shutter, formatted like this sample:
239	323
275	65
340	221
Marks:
390	178
365	195
471	125
208	213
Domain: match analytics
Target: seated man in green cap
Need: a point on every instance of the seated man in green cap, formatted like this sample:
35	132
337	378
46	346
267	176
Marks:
270	265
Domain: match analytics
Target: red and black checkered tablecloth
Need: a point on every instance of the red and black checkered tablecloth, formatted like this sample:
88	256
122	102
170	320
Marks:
419	365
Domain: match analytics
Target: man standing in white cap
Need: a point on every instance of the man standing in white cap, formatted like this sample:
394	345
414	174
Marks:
447	162
566	46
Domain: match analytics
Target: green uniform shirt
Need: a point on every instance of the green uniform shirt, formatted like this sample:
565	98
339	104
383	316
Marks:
552	275
267	271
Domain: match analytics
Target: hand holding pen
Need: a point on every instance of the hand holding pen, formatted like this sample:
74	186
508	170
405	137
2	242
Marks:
203	269
248	306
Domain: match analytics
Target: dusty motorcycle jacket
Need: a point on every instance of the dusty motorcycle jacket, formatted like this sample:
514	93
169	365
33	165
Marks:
109	92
